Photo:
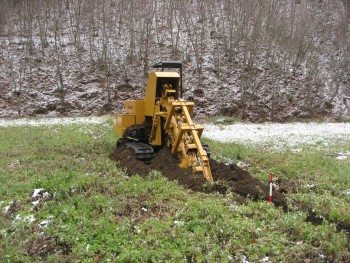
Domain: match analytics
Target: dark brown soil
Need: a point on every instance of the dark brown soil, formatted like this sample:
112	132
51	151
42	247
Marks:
227	177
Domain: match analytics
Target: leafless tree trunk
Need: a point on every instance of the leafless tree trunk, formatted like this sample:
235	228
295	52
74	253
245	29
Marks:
57	21
92	30
4	10
195	27
341	61
75	18
147	15
29	25
106	53
17	81
43	21
131	31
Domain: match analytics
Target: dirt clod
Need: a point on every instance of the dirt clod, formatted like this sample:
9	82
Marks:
229	177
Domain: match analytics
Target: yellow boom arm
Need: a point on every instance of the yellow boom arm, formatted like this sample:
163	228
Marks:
183	136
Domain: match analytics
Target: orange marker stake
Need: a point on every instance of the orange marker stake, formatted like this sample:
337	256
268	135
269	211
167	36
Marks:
270	194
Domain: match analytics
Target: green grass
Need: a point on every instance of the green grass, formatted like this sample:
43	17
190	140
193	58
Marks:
98	214
318	179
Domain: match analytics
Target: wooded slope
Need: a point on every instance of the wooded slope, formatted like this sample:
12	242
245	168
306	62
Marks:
259	60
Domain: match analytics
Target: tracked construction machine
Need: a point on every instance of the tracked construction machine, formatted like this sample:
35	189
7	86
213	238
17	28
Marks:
162	119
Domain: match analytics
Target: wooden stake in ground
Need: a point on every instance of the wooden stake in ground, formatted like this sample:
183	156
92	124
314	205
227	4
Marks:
270	194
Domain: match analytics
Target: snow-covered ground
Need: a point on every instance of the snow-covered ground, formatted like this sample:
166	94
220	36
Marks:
274	135
50	121
280	135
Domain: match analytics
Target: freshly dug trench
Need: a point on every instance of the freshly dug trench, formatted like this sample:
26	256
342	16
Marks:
229	177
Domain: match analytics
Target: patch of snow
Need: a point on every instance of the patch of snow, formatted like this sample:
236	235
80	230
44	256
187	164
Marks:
30	219
37	192
17	218
45	223
341	157
50	121
35	203
39	195
280	135
242	164
179	223
264	260
137	230
346	192
6	208
244	259
298	150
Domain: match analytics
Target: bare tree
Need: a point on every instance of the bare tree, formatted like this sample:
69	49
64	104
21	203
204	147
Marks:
228	28
92	28
58	51
105	58
26	17
174	24
160	20
43	19
146	23
17	78
75	18
131	31
4	9
195	29
341	61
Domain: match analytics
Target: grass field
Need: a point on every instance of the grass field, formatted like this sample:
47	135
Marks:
88	210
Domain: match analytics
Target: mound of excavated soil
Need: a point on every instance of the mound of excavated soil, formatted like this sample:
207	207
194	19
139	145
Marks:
229	177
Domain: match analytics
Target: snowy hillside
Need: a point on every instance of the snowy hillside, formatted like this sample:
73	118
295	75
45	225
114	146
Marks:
258	60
